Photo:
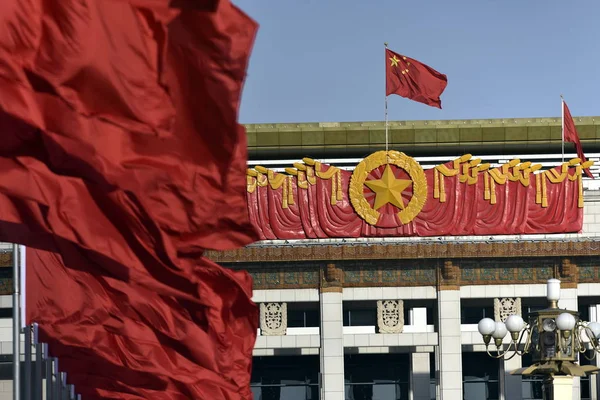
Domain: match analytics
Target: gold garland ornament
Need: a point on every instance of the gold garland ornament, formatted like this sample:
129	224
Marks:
376	160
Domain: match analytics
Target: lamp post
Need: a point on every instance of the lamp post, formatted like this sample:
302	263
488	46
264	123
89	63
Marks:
554	337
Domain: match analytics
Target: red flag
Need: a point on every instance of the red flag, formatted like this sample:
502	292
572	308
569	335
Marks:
121	145
112	256
409	78
570	135
137	94
132	344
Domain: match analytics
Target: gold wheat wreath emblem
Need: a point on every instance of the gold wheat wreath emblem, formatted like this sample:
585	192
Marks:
376	160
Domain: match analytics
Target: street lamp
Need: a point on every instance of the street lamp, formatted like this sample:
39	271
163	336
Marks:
554	337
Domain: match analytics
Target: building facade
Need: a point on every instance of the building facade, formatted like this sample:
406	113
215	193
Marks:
396	317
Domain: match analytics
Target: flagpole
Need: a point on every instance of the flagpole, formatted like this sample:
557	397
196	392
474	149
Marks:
562	133
386	111
23	279
16	324
386	126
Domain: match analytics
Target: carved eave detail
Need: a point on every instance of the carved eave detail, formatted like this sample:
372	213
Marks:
448	250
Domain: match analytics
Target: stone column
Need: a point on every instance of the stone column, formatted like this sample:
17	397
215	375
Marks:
420	365
449	360
419	376
510	385
332	339
560	388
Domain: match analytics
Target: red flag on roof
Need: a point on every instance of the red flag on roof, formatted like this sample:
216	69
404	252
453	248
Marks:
412	79
570	135
122	159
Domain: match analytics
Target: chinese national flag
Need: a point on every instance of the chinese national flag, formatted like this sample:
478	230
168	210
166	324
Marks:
409	78
570	135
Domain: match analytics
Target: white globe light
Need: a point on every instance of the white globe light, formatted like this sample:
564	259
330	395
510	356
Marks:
514	323
486	326
595	328
500	331
565	322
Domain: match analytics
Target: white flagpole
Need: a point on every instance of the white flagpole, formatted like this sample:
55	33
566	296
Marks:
562	135
23	265
16	324
386	112
27	378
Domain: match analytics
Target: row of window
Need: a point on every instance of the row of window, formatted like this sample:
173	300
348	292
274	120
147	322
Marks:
369	376
364	313
355	313
381	377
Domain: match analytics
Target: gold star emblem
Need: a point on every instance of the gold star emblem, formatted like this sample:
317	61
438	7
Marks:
388	189
394	61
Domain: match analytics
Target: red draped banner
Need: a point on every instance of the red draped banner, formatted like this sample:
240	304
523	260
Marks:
389	194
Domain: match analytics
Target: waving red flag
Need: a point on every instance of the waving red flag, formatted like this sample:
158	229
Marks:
122	157
409	78
570	135
138	94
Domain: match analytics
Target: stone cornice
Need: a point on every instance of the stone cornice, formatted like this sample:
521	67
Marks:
416	137
408	251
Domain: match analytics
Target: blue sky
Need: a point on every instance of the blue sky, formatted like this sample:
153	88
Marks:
323	60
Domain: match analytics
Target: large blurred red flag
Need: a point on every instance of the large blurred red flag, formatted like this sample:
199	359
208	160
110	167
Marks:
137	94
108	328
121	144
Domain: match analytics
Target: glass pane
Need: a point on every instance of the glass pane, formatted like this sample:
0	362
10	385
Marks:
276	370
296	318
472	315
384	391
493	390
303	315
293	393
585	388
531	389
479	365
363	317
382	368
313	318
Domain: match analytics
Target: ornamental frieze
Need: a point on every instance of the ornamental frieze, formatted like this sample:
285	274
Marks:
389	194
443	274
336	252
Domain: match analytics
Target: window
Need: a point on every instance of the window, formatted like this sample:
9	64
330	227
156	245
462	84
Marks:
360	313
473	310
428	304
531	304
480	377
303	315
377	376
285	378
531	386
586	358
